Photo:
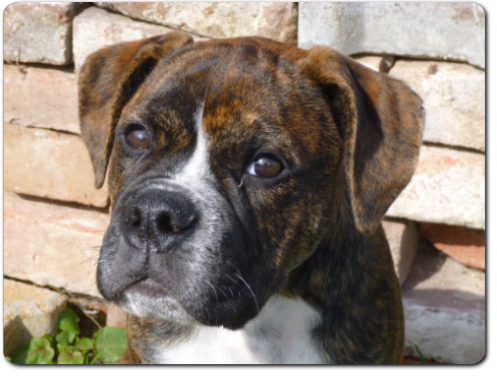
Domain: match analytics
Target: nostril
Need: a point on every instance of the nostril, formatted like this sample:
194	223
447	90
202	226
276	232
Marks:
189	222
164	223
134	217
175	223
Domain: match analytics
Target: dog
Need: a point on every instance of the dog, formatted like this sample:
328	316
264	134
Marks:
247	180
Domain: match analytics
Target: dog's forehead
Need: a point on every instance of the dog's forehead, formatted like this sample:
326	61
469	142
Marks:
237	73
250	85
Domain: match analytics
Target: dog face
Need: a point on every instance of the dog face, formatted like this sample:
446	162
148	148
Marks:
228	161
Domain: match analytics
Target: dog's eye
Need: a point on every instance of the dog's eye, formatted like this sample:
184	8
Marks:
264	167
138	139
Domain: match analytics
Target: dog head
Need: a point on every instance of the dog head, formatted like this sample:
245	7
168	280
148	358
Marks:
226	160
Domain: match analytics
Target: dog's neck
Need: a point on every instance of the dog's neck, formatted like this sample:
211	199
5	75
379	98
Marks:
280	334
344	280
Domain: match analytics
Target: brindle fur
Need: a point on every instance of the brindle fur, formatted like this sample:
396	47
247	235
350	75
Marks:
352	136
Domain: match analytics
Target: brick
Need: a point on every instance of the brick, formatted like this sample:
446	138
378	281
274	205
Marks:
454	100
464	245
448	187
275	20
38	32
51	244
449	31
116	316
444	308
95	28
26	101
32	309
372	62
49	164
402	236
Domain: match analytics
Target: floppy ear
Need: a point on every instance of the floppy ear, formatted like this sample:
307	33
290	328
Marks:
107	81
381	124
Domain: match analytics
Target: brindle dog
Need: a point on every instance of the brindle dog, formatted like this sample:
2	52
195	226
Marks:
248	179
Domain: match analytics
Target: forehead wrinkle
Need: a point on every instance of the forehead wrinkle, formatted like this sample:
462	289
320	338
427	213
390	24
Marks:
178	70
240	91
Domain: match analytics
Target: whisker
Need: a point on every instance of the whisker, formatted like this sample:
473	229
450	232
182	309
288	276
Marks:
93	258
213	289
217	300
246	284
234	280
228	299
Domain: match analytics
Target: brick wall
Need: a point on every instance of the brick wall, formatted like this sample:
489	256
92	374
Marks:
54	218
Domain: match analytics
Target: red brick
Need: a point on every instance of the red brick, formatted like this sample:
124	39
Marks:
116	316
27	103
275	20
447	187
38	32
96	28
453	97
402	236
54	245
465	245
31	308
48	164
444	308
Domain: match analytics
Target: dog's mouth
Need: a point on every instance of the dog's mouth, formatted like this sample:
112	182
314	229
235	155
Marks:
148	298
147	287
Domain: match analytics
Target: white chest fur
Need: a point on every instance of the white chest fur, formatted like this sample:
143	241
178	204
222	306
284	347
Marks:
280	334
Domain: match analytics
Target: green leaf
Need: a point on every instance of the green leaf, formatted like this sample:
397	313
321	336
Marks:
84	344
70	357
68	321
65	338
50	339
36	351
110	344
60	347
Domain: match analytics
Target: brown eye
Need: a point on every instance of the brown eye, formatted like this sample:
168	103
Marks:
264	167
138	139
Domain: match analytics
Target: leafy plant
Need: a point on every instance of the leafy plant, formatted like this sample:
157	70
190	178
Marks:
107	345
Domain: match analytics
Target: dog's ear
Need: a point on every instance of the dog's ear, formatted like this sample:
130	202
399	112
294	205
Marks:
107	81
381	123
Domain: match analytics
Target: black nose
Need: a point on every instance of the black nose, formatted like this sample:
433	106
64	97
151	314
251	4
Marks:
157	215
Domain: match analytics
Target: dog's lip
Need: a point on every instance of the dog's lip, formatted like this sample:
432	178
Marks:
146	286
150	289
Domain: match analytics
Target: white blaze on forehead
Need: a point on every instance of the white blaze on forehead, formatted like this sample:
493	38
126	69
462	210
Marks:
197	166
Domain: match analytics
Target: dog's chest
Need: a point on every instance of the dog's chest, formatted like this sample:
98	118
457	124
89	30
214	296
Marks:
280	334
